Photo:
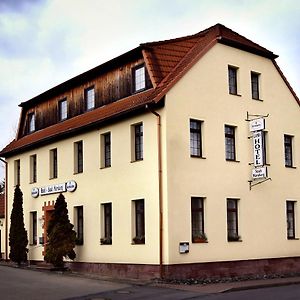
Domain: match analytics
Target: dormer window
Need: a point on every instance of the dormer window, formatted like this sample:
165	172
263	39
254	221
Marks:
89	95
63	110
139	78
31	122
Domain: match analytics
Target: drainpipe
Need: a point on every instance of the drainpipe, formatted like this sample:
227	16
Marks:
160	188
5	204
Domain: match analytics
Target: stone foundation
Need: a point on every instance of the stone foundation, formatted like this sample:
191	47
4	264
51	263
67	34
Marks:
213	270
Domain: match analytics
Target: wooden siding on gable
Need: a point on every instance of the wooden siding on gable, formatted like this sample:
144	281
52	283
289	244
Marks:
109	87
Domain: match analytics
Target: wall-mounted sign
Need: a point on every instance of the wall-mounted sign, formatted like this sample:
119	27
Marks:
259	173
52	189
184	247
258	150
257	124
69	186
35	192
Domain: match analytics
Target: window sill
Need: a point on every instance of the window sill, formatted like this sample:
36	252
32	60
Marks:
51	178
293	239
233	160
196	156
77	173
234	241
257	99
101	168
138	160
138	243
235	94
290	167
200	242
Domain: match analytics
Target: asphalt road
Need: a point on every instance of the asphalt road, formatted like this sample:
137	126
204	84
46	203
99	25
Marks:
24	284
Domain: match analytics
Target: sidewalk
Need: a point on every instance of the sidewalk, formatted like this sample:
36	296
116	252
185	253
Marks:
214	288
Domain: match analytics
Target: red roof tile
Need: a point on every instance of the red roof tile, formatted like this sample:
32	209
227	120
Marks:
166	61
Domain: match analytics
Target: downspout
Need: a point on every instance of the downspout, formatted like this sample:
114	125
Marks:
5	204
160	189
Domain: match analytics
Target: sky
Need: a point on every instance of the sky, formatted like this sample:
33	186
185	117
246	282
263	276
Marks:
46	42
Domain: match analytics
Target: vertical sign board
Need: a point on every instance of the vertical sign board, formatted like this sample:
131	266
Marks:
258	149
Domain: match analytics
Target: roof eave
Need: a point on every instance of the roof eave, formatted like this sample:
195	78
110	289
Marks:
229	42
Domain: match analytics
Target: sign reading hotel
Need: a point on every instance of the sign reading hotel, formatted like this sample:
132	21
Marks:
258	150
257	126
69	186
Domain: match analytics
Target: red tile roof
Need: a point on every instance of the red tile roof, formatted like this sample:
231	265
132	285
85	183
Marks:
2	206
166	61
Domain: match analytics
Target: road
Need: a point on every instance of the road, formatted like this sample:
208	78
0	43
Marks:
24	284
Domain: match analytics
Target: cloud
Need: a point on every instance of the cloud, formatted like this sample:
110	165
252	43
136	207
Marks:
18	6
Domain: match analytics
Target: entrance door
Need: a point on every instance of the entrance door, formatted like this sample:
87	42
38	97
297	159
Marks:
48	216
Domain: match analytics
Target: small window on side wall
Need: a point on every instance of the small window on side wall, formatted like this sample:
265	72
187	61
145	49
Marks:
89	96
255	85
290	219
62	110
31	122
139	78
195	138
106	228
78	157
232	80
79	224
105	145
139	222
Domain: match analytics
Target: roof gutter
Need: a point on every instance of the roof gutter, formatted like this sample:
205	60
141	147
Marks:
5	204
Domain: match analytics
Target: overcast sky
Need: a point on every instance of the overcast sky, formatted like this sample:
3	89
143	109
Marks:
46	42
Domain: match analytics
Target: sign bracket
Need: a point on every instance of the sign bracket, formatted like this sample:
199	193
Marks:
253	117
251	184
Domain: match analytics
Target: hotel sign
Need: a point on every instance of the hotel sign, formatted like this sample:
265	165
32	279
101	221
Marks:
259	173
69	186
257	124
258	150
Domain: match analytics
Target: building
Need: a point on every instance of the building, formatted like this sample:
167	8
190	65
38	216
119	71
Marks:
2	225
177	159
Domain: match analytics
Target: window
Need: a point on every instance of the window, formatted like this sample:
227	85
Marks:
31	122
288	150
106	150
230	143
138	142
33	228
197	213
139	78
63	110
232	80
79	224
78	157
139	219
195	138
255	85
232	220
89	95
290	219
33	168
17	171
53	163
107	224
